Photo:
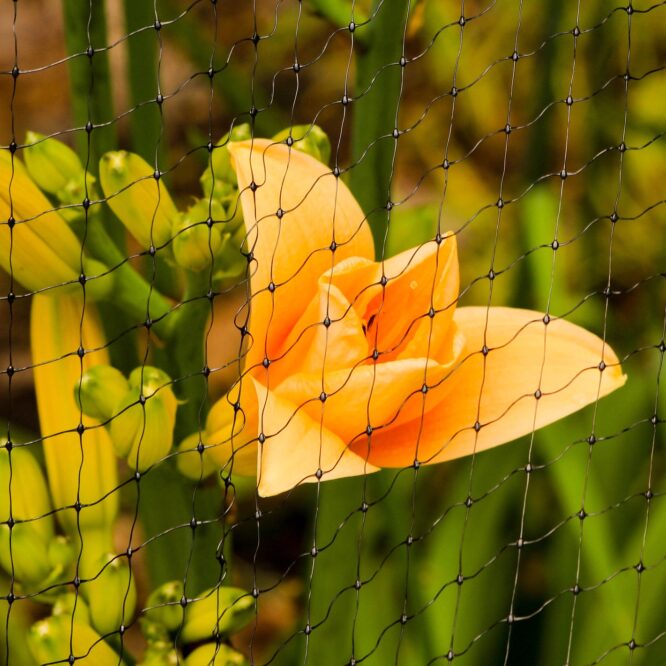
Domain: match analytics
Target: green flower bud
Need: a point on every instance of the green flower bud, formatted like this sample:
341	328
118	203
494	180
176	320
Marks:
143	433
25	556
54	166
49	641
163	605
64	606
111	594
100	391
212	654
161	655
230	608
309	139
154	633
61	553
191	463
197	244
219	179
29	493
231	263
140	201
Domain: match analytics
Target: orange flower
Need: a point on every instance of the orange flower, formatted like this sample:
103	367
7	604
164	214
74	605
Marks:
353	364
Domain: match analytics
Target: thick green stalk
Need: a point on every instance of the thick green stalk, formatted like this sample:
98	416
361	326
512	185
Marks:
145	120
90	78
377	91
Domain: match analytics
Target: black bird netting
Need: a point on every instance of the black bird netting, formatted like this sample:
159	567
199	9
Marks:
279	278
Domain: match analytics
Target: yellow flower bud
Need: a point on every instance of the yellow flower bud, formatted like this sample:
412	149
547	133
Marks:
232	434
43	250
100	391
62	553
55	167
309	139
111	594
228	608
163	605
49	641
64	606
212	654
27	495
161	655
191	462
23	553
197	244
142	431
140	201
79	467
219	179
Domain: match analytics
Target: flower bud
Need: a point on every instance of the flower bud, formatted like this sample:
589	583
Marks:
143	433
309	139
69	603
54	166
163	605
37	260
49	641
232	433
23	553
228	608
111	594
212	654
197	243
219	179
161	654
28	495
80	467
61	553
100	390
140	201
192	463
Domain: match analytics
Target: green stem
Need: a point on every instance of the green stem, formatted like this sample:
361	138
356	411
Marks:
132	290
378	85
170	554
142	76
90	78
338	12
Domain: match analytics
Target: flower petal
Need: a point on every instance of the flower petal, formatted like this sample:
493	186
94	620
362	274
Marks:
297	445
560	360
291	251
311	344
368	394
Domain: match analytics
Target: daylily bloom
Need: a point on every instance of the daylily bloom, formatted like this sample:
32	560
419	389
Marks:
353	365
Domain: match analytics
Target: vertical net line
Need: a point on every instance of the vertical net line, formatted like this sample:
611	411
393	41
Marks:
409	540
11	597
261	436
442	200
613	217
81	351
315	518
547	318
219	611
648	494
